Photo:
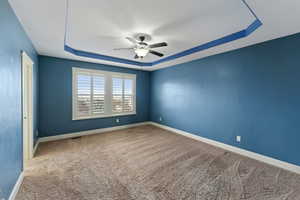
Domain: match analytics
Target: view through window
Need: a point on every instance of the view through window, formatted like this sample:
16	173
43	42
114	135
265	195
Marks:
99	94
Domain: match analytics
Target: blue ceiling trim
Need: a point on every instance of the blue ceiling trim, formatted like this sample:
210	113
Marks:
223	40
252	27
229	38
103	57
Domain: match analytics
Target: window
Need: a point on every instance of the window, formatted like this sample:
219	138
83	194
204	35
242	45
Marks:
122	95
99	94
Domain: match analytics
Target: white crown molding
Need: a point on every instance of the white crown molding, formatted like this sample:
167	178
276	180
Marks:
16	187
255	156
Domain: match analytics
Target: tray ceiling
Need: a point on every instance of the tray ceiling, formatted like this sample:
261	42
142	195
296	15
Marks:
99	26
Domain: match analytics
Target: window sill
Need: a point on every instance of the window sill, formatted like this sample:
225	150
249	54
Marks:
103	116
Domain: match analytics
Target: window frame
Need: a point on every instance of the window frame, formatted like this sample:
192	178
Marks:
108	75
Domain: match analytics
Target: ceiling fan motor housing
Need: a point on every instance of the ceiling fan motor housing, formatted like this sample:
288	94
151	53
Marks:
146	37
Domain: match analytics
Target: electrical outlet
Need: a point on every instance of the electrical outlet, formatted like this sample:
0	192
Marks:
160	119
117	120
238	138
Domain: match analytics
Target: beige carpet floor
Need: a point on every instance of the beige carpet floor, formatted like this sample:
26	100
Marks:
148	163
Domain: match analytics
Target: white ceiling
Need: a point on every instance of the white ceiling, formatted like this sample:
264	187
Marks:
101	25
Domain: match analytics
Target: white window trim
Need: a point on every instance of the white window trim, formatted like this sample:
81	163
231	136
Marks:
108	93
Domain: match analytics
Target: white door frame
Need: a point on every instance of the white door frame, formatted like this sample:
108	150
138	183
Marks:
27	106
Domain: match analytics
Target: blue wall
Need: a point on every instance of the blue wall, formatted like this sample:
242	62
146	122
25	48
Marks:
55	97
253	92
12	41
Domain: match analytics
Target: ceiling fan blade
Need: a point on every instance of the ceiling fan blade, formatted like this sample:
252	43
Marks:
136	56
130	48
156	53
131	40
162	44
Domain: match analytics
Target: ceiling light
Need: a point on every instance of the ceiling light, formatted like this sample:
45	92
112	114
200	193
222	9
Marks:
141	52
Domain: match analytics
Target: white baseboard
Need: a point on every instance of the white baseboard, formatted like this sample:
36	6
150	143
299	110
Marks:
16	187
89	132
256	156
35	147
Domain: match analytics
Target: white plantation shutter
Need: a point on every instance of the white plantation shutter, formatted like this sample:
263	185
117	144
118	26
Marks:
122	95
102	94
117	95
128	95
98	94
83	98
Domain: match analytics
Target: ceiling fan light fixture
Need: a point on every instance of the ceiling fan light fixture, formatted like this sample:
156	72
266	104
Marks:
141	48
141	52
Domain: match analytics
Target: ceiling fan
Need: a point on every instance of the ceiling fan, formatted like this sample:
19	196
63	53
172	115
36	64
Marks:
141	48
